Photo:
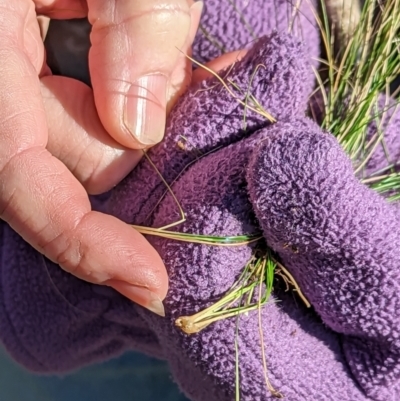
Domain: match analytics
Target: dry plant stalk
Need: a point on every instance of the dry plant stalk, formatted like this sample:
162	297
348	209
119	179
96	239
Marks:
272	390
254	275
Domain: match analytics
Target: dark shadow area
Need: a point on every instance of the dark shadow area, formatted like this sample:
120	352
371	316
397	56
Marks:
67	44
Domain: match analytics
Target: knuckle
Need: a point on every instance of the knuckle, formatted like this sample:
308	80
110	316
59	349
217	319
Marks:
46	233
69	250
10	167
70	256
72	253
5	205
155	14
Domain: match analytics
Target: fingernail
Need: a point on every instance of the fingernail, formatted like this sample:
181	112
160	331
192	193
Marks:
145	109
197	7
140	295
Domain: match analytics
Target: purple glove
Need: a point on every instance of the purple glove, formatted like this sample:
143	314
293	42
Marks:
228	25
340	240
304	193
51	321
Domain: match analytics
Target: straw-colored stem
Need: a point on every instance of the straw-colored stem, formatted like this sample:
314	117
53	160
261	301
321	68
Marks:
270	387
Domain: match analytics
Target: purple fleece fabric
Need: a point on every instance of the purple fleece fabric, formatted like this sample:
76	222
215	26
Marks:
339	239
228	25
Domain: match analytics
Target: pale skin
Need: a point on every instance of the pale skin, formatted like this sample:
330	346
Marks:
61	140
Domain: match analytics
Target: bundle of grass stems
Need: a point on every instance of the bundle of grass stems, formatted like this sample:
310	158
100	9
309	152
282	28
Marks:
362	49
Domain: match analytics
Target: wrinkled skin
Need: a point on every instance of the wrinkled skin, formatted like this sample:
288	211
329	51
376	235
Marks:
61	140
289	180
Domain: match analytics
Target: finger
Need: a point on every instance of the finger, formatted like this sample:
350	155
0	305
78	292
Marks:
77	138
181	76
218	64
43	26
61	9
40	198
135	49
58	222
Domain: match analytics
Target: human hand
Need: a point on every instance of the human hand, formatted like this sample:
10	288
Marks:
60	140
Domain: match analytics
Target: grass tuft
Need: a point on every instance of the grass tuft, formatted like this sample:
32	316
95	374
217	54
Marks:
354	86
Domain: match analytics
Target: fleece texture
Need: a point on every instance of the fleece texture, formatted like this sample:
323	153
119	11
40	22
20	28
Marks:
290	181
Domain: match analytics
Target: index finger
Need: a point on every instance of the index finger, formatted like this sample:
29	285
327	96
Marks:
40	198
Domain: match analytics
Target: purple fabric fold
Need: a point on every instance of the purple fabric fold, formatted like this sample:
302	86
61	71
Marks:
290	180
340	240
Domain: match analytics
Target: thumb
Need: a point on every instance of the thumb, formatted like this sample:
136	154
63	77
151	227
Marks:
137	64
